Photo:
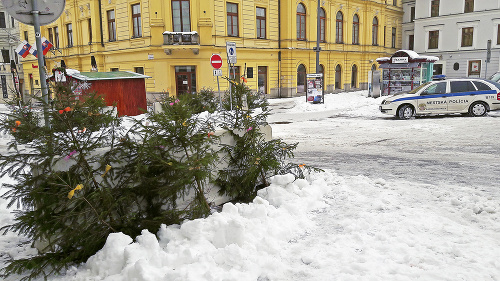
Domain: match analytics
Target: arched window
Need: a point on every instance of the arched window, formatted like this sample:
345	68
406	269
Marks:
322	71
338	77
301	22
322	22
339	26
301	79
375	32
354	76
355	30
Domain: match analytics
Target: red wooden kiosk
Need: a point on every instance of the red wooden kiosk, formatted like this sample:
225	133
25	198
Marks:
126	88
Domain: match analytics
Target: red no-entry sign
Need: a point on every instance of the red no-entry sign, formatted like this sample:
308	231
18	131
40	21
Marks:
216	61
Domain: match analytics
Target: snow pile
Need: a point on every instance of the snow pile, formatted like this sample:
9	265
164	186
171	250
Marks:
243	242
345	104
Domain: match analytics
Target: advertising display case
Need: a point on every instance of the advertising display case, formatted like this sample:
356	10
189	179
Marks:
404	71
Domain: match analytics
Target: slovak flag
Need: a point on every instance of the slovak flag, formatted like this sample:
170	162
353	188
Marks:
33	51
46	45
23	49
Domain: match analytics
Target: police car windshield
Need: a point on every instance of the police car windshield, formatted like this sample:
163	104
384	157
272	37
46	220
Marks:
418	88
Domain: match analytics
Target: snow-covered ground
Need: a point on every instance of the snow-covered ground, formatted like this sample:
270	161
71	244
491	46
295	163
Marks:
399	200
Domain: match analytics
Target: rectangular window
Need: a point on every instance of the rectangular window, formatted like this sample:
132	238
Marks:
433	39
69	33
412	14
136	21
475	67
111	25
89	22
6	56
411	42
467	34
393	45
232	19
469	6
26	36
139	70
180	16
235	73
385	33
114	69
12	22
498	34
261	22
395	2
2	20
51	35
434	8
56	37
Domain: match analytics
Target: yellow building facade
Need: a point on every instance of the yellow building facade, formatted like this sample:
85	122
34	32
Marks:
172	41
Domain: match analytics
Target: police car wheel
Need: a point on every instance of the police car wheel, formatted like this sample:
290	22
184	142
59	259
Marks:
478	109
405	112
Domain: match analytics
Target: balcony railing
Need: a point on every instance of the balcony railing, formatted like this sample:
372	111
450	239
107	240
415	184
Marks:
181	38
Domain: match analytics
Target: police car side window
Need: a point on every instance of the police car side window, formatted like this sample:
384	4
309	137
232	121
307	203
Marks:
438	88
481	86
461	86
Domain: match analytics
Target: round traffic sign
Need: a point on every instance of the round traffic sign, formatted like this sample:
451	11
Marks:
216	61
21	10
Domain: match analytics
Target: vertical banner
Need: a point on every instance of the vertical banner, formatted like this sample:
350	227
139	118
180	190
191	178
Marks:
4	87
315	90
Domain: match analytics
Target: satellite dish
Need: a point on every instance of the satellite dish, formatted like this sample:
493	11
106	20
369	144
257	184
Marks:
50	10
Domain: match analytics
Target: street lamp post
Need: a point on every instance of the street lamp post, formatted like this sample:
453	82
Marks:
318	37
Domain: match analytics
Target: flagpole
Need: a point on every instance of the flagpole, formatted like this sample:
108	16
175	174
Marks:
41	70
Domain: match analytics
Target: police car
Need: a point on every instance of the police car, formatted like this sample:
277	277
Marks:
467	95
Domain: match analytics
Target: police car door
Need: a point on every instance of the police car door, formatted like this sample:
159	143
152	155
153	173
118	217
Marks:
433	99
462	94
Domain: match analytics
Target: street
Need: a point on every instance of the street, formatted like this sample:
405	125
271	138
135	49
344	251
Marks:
359	140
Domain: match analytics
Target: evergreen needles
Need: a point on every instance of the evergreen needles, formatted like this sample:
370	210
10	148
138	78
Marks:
85	176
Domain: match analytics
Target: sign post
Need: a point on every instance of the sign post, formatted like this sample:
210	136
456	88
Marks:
231	60
216	62
488	58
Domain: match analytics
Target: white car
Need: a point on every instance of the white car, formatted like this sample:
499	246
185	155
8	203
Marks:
467	95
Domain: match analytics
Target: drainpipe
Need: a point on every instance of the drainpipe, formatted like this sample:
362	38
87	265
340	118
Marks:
279	48
100	23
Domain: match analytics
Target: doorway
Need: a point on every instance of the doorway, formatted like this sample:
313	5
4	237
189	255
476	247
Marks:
262	79
185	80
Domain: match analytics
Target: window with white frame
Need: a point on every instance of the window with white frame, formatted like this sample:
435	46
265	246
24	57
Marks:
136	21
467	36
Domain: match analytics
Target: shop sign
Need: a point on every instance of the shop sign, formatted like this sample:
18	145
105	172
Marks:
400	60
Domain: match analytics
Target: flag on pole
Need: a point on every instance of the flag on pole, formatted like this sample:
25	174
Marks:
33	51
23	49
46	45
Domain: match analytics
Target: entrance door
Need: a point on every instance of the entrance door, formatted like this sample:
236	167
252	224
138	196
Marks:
262	79
185	80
